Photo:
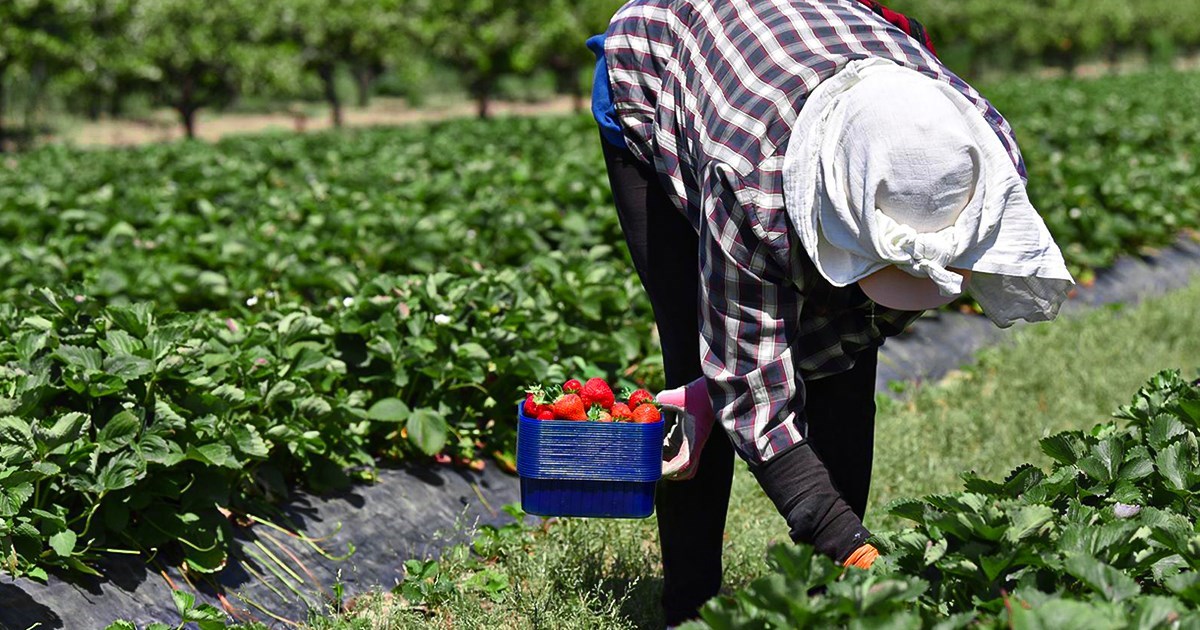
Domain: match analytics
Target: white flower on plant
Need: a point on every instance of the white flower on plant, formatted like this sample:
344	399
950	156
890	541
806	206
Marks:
1124	510
271	295
348	302
441	319
252	300
79	299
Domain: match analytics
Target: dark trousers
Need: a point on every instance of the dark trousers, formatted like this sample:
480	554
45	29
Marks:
820	486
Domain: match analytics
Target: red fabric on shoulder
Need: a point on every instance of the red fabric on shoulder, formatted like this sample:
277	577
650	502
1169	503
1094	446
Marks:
914	28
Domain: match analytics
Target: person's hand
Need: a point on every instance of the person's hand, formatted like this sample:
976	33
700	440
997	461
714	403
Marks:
689	415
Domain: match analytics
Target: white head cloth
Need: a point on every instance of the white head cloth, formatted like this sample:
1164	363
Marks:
886	166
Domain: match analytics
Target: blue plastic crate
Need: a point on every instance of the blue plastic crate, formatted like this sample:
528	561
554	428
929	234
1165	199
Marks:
600	469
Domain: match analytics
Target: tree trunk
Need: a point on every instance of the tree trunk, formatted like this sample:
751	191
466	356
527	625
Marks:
187	107
482	89
188	115
363	78
3	95
566	80
328	79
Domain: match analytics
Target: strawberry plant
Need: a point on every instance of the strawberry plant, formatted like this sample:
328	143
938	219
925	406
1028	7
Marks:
1107	537
323	301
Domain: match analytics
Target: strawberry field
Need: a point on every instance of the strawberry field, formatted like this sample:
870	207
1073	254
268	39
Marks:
189	329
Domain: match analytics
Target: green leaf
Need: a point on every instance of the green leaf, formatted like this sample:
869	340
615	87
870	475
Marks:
1163	429
1059	614
17	432
1157	611
119	342
314	407
307	360
1186	586
68	428
184	602
1062	447
122	471
118	432
63	543
214	455
80	357
283	390
1028	521
13	497
229	393
388	410
249	442
1105	580
136	319
473	351
78	566
128	367
121	625
427	429
1174	464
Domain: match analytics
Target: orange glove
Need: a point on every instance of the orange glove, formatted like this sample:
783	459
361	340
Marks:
863	557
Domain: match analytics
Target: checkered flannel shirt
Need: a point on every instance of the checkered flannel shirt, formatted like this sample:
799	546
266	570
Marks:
707	91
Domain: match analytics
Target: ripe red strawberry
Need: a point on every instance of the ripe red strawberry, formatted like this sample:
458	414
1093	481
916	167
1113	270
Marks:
638	397
532	407
569	407
572	386
597	392
621	411
537	400
545	414
646	414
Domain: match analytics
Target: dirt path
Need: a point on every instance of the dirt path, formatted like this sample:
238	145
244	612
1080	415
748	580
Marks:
163	126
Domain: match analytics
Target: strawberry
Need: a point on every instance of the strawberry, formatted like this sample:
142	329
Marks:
536	401
646	414
638	397
597	392
545	414
599	414
572	386
621	411
532	407
569	407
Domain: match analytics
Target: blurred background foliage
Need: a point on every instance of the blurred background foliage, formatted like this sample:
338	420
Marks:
94	59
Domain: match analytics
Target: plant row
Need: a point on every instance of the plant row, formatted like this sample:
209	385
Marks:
1016	35
1112	169
1106	538
126	429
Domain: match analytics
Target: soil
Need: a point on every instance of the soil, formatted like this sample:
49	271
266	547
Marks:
163	126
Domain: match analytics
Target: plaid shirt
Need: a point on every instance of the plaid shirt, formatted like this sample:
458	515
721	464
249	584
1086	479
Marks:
707	91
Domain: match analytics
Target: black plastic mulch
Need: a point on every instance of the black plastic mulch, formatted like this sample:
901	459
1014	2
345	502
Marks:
415	512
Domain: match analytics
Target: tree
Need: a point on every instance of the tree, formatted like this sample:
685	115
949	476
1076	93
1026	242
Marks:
329	34
482	40
562	28
31	32
104	66
200	53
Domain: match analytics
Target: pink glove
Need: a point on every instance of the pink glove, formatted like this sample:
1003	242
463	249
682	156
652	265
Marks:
689	415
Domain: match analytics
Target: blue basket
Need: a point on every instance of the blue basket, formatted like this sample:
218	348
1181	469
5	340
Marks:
602	469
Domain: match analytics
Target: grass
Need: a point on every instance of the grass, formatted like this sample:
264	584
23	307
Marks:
987	417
